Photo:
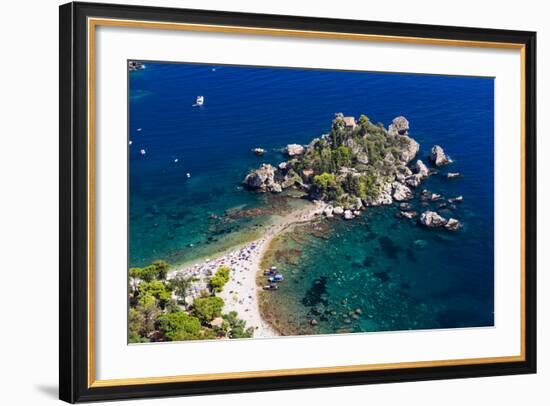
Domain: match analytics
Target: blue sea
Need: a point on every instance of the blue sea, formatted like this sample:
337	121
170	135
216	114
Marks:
375	273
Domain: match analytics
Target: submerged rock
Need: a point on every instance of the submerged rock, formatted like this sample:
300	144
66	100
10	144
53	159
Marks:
438	156
432	219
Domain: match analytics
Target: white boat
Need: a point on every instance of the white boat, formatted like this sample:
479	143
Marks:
142	152
188	175
199	101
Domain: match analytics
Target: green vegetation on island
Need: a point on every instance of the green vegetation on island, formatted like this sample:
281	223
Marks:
356	164
160	309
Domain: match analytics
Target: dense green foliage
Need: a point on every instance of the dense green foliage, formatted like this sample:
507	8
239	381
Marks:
220	278
236	328
179	326
159	311
350	162
208	308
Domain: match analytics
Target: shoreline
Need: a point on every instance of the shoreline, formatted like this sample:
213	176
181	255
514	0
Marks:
241	292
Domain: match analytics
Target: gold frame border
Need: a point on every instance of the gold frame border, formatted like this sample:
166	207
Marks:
94	22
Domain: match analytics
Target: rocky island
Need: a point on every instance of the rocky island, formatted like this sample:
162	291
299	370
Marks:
356	165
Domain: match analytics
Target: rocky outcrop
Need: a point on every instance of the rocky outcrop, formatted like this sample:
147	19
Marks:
409	149
384	196
421	169
432	219
362	158
263	179
338	210
408	214
399	125
353	146
453	224
294	149
348	215
438	157
414	180
402	173
401	192
328	211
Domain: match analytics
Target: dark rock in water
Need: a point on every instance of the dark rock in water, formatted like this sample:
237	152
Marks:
405	206
383	276
432	219
438	157
316	293
368	261
425	195
390	248
411	255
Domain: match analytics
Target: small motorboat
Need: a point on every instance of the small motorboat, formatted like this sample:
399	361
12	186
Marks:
142	152
188	175
271	286
176	160
199	101
276	278
258	151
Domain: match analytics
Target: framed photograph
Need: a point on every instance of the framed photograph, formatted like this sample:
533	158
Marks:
258	202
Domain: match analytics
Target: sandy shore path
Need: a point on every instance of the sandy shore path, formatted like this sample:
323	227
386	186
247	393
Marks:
240	294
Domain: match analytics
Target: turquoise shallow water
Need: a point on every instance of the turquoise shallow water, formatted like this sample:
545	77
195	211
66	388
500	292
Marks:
399	275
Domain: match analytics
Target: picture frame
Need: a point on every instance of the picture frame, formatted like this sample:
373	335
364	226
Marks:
77	284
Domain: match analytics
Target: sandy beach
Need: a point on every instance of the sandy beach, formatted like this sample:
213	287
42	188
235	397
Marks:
240	294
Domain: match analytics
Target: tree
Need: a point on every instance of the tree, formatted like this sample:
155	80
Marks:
181	285
236	328
221	277
179	326
156	289
143	315
208	308
161	268
341	157
148	274
324	181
